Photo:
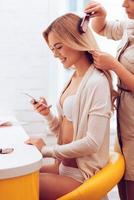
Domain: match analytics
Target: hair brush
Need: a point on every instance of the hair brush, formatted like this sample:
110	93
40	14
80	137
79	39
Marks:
84	23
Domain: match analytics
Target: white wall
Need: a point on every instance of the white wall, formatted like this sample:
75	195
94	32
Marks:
26	64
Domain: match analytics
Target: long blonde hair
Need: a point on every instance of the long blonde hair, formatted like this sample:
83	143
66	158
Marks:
66	29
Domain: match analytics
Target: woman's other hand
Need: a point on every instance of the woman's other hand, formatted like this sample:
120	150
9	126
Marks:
41	106
38	142
96	9
98	15
103	60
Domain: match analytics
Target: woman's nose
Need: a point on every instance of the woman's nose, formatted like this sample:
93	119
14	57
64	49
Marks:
125	3
56	53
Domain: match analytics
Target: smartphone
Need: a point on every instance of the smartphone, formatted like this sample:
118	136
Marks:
34	100
84	24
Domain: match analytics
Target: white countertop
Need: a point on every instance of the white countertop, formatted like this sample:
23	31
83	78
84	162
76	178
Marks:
25	159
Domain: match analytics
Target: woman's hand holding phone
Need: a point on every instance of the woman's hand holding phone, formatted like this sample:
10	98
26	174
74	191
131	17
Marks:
41	106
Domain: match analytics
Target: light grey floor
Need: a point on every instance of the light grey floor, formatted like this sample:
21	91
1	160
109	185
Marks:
113	195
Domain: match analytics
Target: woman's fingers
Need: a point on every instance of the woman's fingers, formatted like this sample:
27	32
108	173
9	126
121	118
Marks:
44	102
28	141
38	142
43	109
93	9
94	53
41	106
97	57
91	5
103	60
96	9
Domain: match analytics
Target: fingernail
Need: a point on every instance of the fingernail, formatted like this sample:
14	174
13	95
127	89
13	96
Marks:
50	106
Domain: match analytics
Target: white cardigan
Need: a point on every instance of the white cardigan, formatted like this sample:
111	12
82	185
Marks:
92	111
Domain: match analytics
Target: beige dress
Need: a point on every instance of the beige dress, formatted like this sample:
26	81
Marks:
125	54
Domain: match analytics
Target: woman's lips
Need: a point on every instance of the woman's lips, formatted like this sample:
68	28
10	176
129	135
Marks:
63	60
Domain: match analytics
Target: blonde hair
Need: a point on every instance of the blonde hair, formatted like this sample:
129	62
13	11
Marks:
66	29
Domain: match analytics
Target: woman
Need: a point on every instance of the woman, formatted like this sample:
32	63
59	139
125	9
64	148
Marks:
123	66
84	109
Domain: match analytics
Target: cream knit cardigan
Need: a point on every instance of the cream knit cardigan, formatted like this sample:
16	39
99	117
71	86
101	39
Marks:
91	114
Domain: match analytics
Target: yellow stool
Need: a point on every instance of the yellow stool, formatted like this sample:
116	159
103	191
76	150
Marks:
101	183
20	188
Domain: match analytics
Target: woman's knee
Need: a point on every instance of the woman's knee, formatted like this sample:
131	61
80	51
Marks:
44	185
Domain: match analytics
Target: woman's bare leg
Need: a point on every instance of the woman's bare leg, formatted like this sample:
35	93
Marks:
50	168
53	186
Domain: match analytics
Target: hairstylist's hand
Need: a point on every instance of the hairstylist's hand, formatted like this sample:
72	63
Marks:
96	9
103	60
41	106
38	142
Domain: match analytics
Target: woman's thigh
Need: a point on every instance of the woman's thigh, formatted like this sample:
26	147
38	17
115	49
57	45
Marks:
53	186
50	168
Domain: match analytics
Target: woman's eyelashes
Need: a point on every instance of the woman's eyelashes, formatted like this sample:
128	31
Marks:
56	47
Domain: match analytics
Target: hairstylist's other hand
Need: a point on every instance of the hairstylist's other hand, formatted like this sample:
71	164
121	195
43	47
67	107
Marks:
103	60
41	106
38	142
96	9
